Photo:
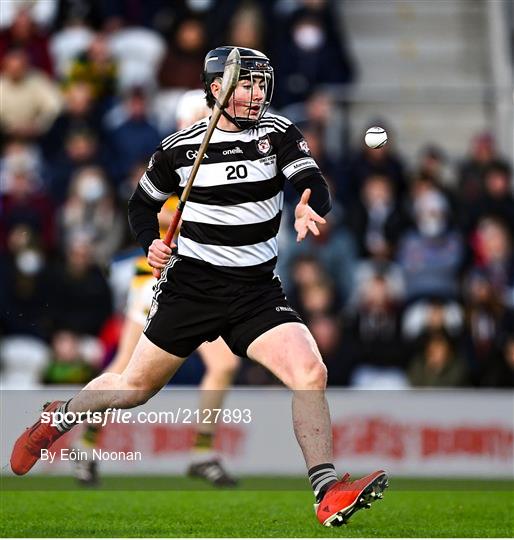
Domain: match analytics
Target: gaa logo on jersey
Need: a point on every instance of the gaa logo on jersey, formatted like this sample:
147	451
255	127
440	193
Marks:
191	154
264	145
303	146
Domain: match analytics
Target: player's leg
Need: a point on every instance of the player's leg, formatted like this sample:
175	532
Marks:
149	369
221	366
176	326
130	334
290	352
86	470
139	302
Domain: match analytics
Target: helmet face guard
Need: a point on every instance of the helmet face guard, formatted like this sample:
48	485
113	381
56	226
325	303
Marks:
256	68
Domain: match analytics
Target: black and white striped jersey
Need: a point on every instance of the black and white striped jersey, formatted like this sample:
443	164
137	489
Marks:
232	216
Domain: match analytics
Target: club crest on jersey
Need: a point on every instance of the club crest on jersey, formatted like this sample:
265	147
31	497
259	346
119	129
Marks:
303	146
151	163
264	145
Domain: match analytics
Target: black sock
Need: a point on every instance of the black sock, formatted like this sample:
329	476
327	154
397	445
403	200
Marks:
322	477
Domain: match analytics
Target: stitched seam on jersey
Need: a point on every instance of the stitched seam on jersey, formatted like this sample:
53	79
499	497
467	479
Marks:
185	138
167	139
271	124
187	131
281	123
279	118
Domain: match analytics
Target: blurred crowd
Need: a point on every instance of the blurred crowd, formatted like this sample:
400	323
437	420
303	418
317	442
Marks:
410	283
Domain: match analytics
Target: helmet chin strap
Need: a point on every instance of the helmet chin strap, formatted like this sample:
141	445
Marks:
243	123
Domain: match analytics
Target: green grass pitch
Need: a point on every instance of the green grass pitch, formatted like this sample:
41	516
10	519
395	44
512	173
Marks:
277	507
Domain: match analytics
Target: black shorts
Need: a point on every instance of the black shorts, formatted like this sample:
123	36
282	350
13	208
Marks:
192	305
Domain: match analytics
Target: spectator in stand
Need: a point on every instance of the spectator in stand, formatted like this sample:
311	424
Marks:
487	322
497	199
185	55
135	139
373	330
318	301
79	114
483	154
309	51
431	257
305	271
246	27
69	42
139	52
494	256
81	149
334	248
321	127
322	113
318	298
232	20
69	12
41	11
24	289
376	219
431	315
313	134
15	152
432	253
70	362
23	202
30	100
501	373
433	167
97	68
149	13
419	184
79	295
433	164
90	210
24	34
327	331
371	161
437	364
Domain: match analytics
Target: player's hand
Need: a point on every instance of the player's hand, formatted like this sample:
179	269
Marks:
306	218
158	255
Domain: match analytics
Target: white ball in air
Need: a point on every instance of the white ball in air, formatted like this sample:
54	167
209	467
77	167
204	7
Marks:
375	137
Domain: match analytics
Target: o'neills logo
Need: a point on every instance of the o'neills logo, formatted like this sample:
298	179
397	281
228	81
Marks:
235	150
264	145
